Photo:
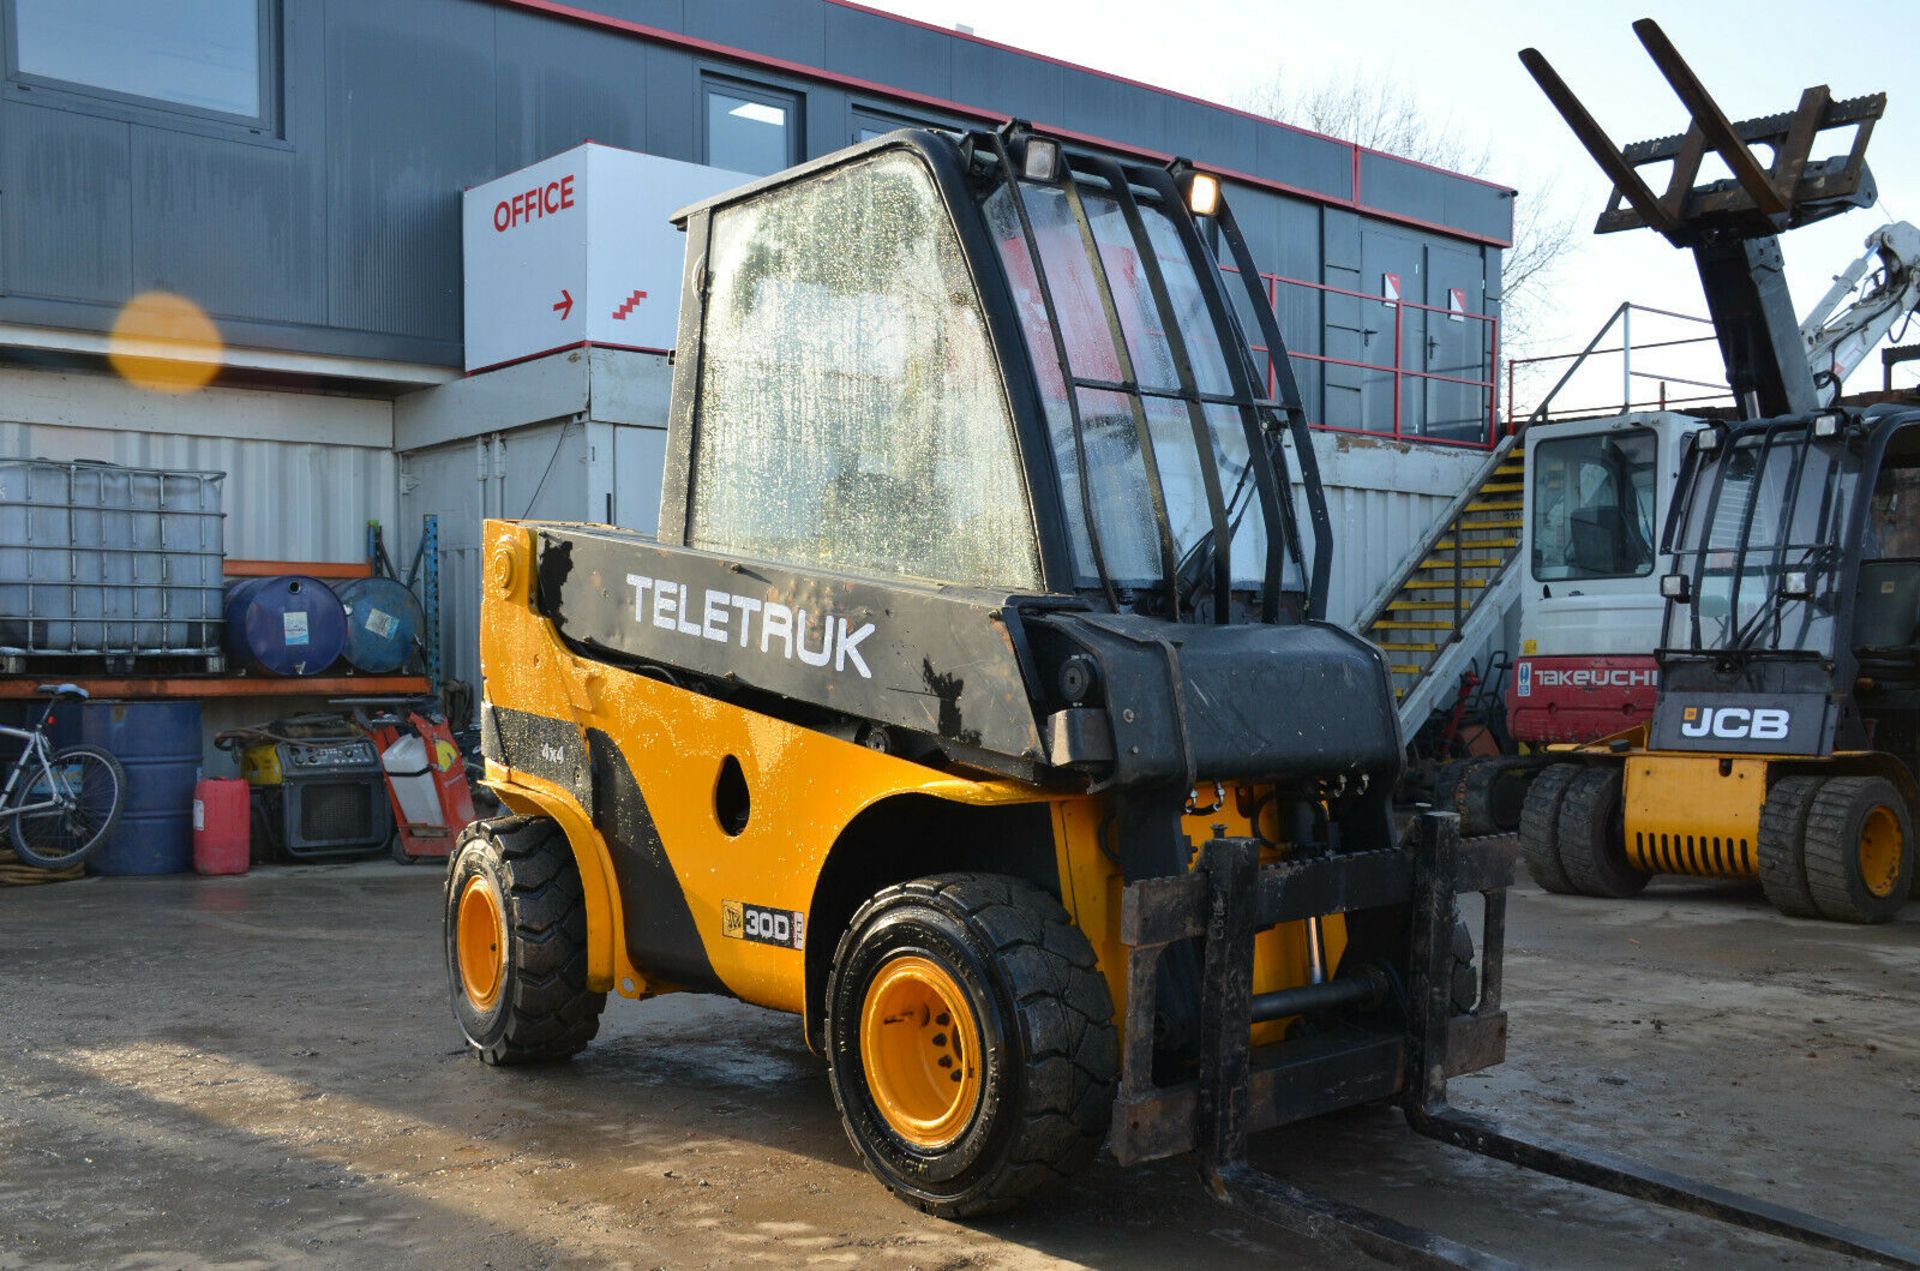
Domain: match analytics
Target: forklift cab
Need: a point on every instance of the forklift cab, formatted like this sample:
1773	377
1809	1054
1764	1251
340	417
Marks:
1887	597
1795	551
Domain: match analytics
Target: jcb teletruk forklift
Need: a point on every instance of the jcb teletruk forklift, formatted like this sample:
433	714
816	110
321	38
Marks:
973	704
1786	731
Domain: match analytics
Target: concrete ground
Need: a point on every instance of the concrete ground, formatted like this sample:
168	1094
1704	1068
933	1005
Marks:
249	1071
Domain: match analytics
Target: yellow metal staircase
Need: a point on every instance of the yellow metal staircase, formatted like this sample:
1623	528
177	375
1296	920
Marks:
1457	585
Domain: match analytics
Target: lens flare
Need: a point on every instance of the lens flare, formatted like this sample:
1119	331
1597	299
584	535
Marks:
165	344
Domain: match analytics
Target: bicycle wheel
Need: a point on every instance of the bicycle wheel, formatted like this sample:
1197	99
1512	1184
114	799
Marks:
80	798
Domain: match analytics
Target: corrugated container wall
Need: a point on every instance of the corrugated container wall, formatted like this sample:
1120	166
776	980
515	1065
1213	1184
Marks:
272	513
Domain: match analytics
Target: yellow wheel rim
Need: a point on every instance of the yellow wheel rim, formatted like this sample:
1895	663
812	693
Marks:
921	1051
1881	846
480	939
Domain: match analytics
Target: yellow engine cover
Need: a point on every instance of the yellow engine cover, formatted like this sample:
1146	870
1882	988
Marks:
1694	814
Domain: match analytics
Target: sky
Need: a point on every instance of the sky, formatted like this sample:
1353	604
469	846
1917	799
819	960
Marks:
1459	61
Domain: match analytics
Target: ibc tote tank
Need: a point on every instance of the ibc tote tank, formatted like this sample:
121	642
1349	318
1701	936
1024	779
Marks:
383	621
289	625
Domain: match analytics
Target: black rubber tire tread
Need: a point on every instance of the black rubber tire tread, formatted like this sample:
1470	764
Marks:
1540	827
31	854
1832	851
1477	794
1059	1102
1465	991
1782	843
545	1012
1591	848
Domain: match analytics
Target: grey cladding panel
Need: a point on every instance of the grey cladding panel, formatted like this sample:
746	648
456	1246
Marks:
670	87
668	15
1211	136
234	227
1105	108
1394	185
888	52
405	87
1020	87
67	205
1307	162
561	84
780	28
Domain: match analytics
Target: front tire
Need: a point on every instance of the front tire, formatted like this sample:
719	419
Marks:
516	933
1782	845
970	1042
1859	849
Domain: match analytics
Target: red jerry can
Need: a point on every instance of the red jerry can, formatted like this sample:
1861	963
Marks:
220	826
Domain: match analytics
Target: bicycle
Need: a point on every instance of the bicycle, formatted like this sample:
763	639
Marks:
60	804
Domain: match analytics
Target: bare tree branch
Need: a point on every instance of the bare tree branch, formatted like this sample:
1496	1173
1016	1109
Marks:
1385	117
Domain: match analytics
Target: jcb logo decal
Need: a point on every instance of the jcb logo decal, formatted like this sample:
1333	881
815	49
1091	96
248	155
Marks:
783	927
1735	723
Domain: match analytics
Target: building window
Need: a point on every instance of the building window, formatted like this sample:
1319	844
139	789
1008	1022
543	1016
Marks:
751	129
204	57
869	123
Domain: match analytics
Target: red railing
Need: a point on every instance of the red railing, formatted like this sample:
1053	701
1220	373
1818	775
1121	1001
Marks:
1399	371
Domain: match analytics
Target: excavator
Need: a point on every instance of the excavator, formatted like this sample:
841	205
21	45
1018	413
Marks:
972	703
1782	745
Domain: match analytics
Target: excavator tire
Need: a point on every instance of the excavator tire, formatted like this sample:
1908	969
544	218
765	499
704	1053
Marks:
970	1042
1593	848
516	926
1540	826
1491	794
1859	849
1782	845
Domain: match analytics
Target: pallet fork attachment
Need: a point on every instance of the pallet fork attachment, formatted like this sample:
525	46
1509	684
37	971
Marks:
1229	897
1733	226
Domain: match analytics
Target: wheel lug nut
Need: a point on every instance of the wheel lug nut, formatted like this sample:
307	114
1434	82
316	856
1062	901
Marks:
939	1039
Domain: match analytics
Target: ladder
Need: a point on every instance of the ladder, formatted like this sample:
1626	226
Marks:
1430	614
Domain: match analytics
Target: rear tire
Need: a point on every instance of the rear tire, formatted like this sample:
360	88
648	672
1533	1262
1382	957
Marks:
62	837
1593	848
1491	794
970	1042
1782	845
1540	827
516	934
1859	849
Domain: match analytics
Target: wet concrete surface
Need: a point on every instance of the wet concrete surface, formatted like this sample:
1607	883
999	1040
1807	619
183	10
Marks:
260	1070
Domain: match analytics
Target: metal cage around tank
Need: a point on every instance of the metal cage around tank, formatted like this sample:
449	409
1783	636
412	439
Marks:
98	559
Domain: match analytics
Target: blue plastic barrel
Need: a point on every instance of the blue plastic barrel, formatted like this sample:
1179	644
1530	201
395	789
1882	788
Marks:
289	625
158	743
383	621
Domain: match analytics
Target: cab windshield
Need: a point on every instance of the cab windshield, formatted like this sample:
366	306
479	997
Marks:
1136	420
1593	506
1758	534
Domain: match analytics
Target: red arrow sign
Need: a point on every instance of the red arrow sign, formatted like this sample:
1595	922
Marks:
565	307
